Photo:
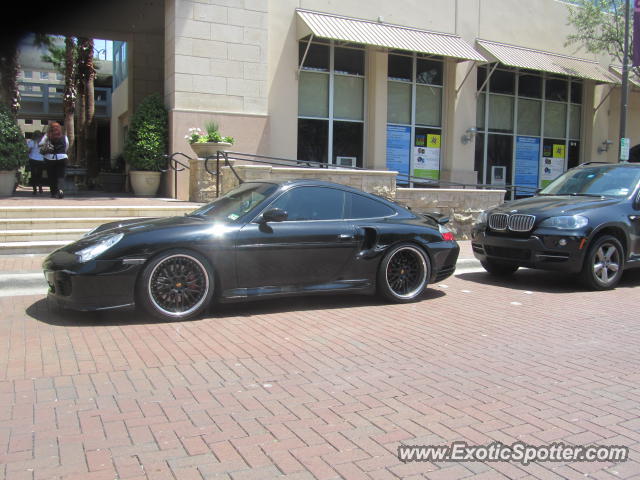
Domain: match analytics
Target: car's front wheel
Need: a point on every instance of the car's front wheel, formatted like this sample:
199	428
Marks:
603	264
403	273
175	285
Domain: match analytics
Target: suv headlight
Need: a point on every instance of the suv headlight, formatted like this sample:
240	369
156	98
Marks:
102	245
573	222
482	218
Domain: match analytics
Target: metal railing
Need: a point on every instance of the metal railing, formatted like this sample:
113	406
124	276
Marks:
224	159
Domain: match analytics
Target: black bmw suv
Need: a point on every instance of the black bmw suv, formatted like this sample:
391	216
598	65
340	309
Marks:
587	221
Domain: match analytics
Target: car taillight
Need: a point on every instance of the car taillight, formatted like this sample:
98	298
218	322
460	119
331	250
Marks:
448	236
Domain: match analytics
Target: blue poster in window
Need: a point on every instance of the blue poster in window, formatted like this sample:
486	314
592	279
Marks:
399	150
526	169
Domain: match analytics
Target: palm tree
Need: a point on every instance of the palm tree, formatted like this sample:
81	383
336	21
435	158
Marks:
9	67
70	94
86	75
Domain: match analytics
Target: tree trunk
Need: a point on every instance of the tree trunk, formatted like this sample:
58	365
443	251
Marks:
70	95
9	67
86	113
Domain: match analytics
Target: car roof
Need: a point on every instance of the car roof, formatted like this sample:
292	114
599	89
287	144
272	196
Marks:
311	182
609	165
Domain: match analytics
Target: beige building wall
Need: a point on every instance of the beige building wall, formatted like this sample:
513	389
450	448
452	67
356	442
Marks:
235	61
216	70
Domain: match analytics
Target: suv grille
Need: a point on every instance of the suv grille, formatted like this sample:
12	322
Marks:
515	223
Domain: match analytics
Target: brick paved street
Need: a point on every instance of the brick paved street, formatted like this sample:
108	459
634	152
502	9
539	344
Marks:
321	388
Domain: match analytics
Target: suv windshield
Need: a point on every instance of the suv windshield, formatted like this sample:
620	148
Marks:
236	203
602	180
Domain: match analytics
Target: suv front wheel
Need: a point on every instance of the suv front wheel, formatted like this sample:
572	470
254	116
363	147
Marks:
603	264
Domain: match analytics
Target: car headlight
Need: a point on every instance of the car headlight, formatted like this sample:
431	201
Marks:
482	218
573	222
102	245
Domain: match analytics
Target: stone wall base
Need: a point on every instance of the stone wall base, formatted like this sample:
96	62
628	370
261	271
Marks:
462	206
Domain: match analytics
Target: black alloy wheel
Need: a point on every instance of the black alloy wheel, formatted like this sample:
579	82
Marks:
176	285
403	273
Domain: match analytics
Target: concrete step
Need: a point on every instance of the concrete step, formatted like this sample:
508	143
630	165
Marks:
43	246
35	235
42	229
55	222
75	211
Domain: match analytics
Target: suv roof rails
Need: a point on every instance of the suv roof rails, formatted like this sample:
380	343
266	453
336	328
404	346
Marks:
589	163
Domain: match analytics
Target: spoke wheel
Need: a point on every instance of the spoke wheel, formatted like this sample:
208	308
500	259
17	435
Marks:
176	285
403	274
604	263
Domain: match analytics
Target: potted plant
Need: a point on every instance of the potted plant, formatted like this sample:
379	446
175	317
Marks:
13	151
146	143
207	143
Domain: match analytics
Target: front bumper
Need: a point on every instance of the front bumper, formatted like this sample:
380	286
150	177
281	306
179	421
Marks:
542	251
96	285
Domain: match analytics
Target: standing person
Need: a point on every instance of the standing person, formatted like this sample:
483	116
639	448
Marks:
54	147
36	161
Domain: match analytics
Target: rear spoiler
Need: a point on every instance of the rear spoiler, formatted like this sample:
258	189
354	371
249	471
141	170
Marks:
439	218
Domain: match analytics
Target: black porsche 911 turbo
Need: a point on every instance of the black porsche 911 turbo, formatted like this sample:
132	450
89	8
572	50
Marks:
259	240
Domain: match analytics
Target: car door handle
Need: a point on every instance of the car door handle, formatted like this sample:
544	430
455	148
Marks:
343	237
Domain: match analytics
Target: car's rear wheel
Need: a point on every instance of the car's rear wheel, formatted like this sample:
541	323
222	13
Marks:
176	285
499	269
603	264
403	273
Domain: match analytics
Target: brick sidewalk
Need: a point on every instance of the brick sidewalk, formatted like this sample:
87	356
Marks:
322	388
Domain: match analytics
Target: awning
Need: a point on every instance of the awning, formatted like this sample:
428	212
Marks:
521	57
633	78
382	34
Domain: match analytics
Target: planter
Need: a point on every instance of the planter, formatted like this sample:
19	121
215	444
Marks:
7	182
209	149
144	183
111	182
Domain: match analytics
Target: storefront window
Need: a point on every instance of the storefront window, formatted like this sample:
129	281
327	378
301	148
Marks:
313	95
414	117
546	111
529	112
555	120
331	89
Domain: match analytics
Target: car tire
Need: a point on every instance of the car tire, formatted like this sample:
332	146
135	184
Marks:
603	264
499	269
175	285
403	273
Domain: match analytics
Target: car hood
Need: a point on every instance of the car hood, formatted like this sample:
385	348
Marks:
138	224
549	206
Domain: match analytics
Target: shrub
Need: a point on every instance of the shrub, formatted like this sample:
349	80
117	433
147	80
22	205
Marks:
147	137
13	148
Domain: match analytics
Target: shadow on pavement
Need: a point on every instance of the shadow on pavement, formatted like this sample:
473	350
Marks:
53	315
543	281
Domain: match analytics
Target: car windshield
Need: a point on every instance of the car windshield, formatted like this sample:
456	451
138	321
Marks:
236	203
595	181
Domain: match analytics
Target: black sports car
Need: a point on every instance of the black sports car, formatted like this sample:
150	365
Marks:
587	221
259	240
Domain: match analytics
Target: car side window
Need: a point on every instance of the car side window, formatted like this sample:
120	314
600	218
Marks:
312	203
364	207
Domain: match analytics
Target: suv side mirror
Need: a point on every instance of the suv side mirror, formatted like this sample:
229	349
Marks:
274	215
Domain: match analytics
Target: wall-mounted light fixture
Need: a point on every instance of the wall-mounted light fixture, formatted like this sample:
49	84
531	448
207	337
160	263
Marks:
605	146
469	135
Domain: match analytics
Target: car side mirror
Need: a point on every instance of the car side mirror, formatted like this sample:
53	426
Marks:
274	215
